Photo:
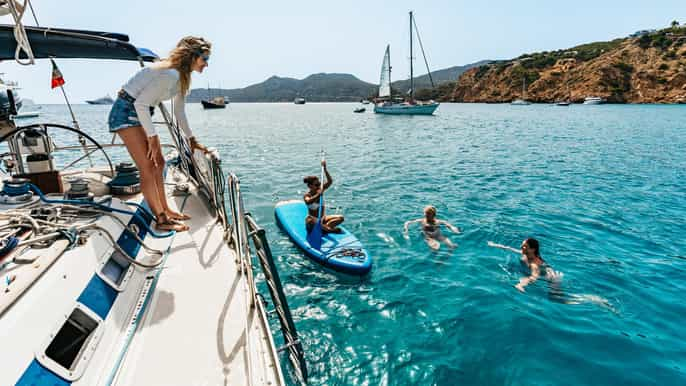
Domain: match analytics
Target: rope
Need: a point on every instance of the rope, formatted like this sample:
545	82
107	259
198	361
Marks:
102	207
348	252
20	35
7	245
71	234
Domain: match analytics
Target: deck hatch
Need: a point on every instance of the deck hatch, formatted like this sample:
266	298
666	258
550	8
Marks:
116	271
70	346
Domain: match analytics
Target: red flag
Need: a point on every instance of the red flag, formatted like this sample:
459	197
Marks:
57	79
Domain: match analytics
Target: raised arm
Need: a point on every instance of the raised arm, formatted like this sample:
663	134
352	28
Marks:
329	180
525	281
505	247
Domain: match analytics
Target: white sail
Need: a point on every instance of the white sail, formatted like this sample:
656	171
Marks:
385	81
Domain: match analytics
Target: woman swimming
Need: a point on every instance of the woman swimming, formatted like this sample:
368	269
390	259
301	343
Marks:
531	257
431	227
329	223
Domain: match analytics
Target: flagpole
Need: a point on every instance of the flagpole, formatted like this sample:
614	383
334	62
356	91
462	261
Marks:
71	112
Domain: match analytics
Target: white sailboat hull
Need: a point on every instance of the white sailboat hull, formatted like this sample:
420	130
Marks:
406	109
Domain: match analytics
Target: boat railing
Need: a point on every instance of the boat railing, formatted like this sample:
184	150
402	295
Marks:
242	229
292	343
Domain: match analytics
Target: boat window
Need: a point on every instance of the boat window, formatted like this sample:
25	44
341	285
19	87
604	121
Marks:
116	271
70	347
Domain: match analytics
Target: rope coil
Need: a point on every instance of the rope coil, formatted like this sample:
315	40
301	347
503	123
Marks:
17	10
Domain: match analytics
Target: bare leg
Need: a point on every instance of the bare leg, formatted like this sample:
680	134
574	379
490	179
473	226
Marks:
159	181
136	143
331	223
447	242
432	243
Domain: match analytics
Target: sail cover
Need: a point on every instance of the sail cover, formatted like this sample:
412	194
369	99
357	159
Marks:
385	81
69	43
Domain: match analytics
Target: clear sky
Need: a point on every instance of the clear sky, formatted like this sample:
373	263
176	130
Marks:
253	40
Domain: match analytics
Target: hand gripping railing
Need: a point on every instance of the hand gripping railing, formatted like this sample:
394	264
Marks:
292	343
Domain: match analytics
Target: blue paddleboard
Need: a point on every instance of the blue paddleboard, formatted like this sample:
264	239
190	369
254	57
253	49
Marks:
341	252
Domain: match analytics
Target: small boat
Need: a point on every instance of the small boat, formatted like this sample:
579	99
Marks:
214	103
299	101
386	104
593	100
562	103
27	114
522	101
217	102
341	252
106	100
360	110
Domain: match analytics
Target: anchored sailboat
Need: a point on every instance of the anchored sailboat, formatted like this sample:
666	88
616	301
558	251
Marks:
386	103
522	101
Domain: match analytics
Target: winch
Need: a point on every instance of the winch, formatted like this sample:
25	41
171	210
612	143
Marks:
15	191
126	179
78	190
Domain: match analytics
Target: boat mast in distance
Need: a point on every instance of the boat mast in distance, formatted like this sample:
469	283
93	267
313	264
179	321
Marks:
385	103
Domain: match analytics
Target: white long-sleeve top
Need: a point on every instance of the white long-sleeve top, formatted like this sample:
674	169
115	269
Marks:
152	85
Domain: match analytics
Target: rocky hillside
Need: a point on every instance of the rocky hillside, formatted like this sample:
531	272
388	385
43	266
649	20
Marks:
649	68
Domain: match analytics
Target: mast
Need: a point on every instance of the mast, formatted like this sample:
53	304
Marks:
411	69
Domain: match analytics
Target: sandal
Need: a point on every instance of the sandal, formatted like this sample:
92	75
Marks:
178	216
165	223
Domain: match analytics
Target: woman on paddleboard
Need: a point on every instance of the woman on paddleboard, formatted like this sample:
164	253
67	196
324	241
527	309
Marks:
329	223
431	228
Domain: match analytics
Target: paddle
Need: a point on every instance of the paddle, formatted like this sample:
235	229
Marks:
315	236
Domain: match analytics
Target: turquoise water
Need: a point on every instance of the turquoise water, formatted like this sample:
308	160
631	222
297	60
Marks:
602	188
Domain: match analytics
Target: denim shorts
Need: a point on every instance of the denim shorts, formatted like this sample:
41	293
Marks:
123	115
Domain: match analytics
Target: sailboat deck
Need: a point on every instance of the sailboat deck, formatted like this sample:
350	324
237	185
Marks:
194	328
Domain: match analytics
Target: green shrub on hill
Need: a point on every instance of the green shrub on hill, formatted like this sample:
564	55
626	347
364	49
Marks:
481	71
624	67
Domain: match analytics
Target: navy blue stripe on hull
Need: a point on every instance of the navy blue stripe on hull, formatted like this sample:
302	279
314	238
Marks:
98	296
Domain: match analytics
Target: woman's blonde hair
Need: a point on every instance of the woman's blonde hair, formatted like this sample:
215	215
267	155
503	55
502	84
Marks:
430	209
182	57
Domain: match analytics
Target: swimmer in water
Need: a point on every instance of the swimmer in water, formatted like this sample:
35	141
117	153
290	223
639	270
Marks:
531	258
431	227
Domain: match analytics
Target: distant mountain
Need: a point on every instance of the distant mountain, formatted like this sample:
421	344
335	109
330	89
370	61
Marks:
450	74
324	87
315	88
